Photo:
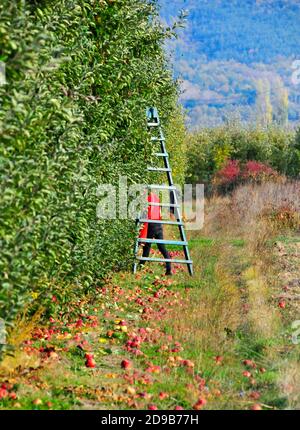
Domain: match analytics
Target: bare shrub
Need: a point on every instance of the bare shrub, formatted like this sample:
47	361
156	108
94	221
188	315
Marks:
249	205
289	383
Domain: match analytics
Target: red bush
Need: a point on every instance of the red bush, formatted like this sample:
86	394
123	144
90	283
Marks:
228	174
257	171
233	173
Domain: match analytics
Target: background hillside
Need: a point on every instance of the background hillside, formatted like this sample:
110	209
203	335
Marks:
236	59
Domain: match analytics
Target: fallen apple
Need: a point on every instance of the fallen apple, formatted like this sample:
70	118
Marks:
256	407
90	362
199	404
218	359
282	304
255	395
3	393
126	364
13	395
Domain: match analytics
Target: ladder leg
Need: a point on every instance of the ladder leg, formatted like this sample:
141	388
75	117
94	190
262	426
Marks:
136	248
182	231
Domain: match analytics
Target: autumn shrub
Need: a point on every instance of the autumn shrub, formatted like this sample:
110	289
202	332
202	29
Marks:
285	217
258	172
80	75
235	173
210	150
227	177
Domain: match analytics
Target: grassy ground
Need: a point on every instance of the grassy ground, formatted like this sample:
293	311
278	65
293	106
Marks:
228	338
219	340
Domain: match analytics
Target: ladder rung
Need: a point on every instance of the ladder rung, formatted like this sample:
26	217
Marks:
162	187
153	124
151	221
164	242
165	260
157	139
161	154
164	205
158	169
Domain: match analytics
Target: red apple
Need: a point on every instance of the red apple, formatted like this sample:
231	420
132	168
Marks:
218	359
13	395
79	323
89	356
152	408
202	383
90	362
188	363
249	363
3	393
199	404
255	395
282	304
256	407
153	369
126	364
163	395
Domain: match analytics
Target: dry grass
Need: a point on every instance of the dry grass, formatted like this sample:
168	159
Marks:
258	214
289	382
263	317
13	364
19	359
239	215
216	307
23	328
212	308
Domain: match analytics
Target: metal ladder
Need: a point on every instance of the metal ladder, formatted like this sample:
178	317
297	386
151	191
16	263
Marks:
153	123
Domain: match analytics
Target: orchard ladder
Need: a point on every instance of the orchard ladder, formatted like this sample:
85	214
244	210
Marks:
153	124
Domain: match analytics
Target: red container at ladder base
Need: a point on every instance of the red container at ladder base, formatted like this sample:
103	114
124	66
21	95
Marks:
144	231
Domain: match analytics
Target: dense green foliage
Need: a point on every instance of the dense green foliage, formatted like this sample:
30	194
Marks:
209	149
79	77
177	145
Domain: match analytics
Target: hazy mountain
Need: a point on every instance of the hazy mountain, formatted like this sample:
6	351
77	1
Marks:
234	56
